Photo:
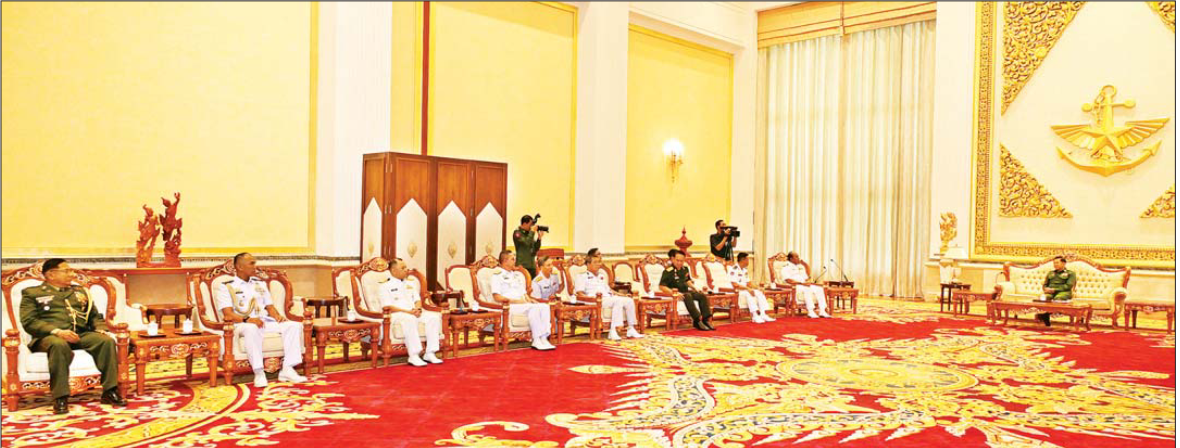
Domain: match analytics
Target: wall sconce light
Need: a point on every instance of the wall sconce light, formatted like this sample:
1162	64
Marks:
674	154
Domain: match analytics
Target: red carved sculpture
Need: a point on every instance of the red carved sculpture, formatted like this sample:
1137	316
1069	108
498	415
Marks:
171	227
150	228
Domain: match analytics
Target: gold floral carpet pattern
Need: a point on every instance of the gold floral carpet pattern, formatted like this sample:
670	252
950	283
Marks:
896	374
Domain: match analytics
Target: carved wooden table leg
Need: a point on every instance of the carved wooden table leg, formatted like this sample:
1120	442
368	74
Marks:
321	345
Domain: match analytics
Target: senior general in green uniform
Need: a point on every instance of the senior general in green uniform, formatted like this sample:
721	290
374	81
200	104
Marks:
1058	286
61	318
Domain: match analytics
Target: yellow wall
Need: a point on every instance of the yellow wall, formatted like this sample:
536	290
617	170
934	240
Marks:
502	89
107	106
405	109
676	90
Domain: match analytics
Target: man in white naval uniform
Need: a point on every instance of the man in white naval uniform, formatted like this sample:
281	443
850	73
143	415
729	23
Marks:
739	277
245	300
508	287
795	273
404	297
547	284
594	283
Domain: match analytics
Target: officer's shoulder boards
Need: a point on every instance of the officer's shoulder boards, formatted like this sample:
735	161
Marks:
228	281
670	269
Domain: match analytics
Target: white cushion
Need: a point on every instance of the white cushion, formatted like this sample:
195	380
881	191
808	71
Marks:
654	272
719	275
459	279
272	345
82	365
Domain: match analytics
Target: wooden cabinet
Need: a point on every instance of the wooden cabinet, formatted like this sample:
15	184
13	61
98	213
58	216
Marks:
432	212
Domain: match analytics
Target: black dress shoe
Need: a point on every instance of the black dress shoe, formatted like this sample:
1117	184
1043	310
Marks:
113	398
697	324
708	326
1044	317
61	405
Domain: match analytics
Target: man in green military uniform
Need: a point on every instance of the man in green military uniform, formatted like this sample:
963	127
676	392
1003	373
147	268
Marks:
61	318
527	243
1058	286
676	281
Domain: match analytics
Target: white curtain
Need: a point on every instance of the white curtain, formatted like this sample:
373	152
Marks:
845	142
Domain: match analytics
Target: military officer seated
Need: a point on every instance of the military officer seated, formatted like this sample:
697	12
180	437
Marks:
1058	286
508	287
547	284
404	297
795	273
739	277
594	282
61	318
245	299
676	281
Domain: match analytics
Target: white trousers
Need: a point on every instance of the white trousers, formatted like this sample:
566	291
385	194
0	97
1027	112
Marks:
620	308
755	301
811	295
250	337
409	325
538	314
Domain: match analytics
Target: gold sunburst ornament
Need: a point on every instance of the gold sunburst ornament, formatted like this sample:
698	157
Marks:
1102	143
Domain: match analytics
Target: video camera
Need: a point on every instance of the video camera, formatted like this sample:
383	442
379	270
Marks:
731	231
540	228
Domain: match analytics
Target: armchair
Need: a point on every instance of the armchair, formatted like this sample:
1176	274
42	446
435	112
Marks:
210	319
651	268
513	326
775	264
27	372
717	278
1102	288
573	271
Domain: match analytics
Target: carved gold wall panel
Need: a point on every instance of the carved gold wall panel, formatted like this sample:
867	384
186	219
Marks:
1166	11
1021	195
987	109
1163	207
1030	30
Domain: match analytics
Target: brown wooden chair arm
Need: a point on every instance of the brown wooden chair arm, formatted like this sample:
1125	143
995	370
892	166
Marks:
728	290
492	306
437	309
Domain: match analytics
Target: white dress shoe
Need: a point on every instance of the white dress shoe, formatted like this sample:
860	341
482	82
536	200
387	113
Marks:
824	314
767	318
541	344
811	314
289	375
633	334
431	358
757	319
260	380
614	335
416	361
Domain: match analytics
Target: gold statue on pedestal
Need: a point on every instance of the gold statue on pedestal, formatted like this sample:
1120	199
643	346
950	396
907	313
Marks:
948	230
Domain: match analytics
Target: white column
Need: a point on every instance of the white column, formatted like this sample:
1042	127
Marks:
601	153
354	118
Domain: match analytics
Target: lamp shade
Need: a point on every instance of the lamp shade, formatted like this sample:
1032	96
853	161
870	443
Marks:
956	253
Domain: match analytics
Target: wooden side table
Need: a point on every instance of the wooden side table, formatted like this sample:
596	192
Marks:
318	304
841	298
960	301
725	302
1132	307
172	346
332	329
774	294
161	310
565	312
665	308
945	292
463	323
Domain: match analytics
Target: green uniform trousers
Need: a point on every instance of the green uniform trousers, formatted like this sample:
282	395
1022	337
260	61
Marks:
1063	296
100	346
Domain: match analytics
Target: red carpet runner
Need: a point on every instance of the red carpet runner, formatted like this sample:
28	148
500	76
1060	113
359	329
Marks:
877	379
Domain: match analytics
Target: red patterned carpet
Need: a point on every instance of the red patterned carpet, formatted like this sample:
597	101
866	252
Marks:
882	378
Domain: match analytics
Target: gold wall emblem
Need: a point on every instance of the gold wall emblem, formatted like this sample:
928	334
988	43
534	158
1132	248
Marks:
1102	143
1021	195
1163	207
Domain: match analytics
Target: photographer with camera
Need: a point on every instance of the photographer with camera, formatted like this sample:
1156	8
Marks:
722	242
527	243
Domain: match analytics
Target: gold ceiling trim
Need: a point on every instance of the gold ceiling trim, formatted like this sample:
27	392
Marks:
1163	207
982	248
1030	31
1022	195
1166	11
